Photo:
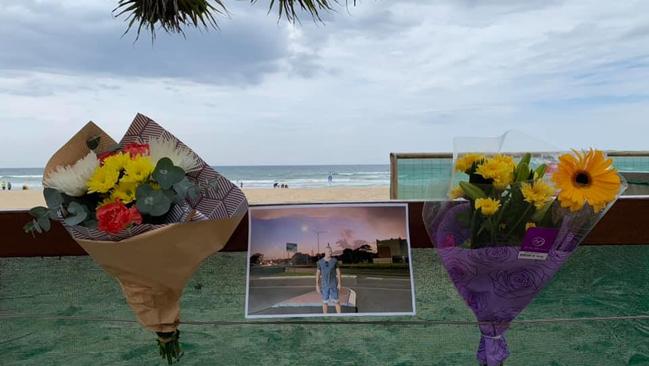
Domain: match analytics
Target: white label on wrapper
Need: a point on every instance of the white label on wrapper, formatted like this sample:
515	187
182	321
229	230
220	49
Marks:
533	255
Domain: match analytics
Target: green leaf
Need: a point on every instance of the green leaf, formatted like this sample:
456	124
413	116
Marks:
167	174
39	211
77	213
53	198
540	171
44	223
472	191
186	189
150	201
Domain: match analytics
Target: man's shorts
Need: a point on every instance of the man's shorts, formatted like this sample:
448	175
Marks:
329	295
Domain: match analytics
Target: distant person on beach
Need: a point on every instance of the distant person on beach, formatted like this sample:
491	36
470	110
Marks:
3	185
275	185
25	187
9	186
330	178
328	281
241	184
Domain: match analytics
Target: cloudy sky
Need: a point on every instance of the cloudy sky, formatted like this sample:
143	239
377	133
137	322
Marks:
340	227
386	75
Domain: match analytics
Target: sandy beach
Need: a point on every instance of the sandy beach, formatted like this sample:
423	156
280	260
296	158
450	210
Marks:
27	199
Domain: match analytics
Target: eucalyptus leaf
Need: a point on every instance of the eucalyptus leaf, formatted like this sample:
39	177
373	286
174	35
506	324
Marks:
186	189
53	198
150	201
77	213
39	211
44	223
167	174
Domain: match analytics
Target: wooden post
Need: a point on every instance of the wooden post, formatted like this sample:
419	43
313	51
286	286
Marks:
394	177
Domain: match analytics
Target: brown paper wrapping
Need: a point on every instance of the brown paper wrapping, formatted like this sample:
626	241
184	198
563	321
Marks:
154	266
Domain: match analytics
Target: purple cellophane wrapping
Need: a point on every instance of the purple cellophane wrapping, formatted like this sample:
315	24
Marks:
493	282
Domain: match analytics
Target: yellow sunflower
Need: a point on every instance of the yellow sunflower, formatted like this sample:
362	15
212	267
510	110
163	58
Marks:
487	206
586	177
103	179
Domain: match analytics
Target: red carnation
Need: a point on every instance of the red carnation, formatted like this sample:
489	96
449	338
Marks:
115	217
105	155
136	149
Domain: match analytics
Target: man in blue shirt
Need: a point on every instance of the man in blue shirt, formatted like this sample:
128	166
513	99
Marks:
327	281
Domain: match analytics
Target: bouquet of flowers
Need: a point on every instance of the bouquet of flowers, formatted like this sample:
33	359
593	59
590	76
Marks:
148	210
511	225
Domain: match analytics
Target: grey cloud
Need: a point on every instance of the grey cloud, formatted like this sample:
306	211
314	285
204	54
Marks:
242	52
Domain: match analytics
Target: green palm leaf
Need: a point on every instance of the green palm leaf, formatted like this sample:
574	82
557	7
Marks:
174	15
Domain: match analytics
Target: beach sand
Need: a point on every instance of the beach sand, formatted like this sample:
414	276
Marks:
27	199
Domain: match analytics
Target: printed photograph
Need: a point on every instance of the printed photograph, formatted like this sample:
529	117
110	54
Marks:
329	260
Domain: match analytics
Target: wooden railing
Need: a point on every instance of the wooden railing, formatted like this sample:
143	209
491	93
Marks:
625	223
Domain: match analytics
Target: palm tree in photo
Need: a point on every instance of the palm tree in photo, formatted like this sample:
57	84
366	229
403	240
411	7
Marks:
174	15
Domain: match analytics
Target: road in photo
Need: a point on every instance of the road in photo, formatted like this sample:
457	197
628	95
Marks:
374	293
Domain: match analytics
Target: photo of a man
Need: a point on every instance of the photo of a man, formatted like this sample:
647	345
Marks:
304	260
328	281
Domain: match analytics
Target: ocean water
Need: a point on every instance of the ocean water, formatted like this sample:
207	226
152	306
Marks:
303	176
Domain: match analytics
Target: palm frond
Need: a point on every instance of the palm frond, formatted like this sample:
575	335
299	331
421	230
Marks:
174	15
171	15
289	9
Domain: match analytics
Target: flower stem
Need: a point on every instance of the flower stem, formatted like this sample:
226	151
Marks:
520	220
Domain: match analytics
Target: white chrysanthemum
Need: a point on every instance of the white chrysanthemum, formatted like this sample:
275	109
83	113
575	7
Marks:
160	147
73	179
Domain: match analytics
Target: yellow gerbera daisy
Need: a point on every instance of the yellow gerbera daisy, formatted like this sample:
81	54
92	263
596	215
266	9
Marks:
125	192
103	179
138	169
586	177
464	163
456	192
487	206
537	193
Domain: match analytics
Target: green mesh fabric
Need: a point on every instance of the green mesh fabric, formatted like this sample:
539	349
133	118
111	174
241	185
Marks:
429	179
602	281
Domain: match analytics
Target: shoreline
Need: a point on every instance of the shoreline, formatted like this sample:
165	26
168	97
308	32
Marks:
24	200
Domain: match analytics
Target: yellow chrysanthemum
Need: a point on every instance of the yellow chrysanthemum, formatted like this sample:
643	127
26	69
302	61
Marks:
487	206
103	179
529	225
116	161
138	169
492	168
125	192
586	177
465	162
456	192
503	178
537	193
506	160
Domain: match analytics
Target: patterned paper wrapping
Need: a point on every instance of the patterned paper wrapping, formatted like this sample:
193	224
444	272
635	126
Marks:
152	263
